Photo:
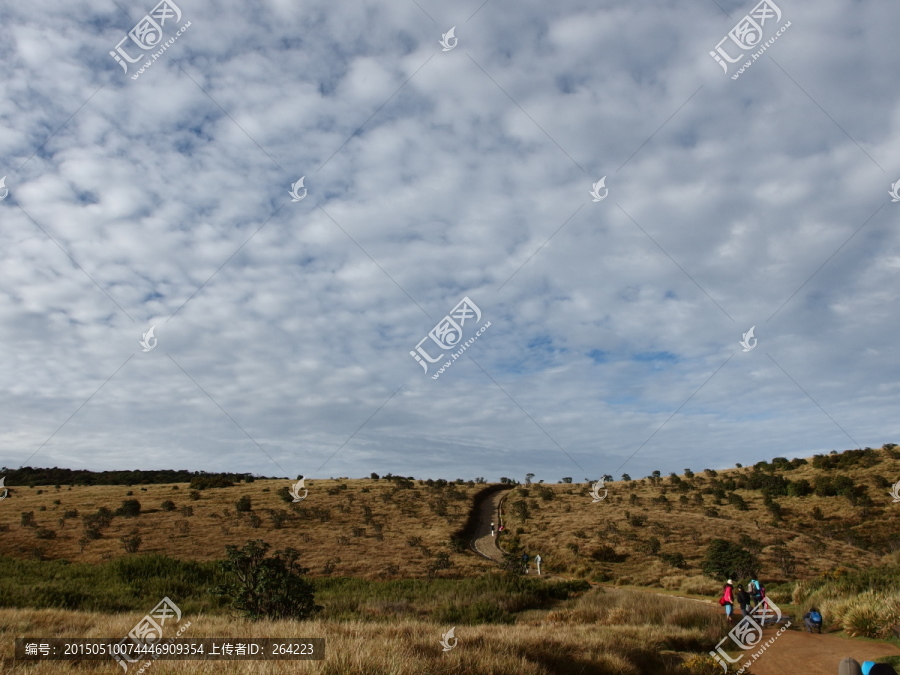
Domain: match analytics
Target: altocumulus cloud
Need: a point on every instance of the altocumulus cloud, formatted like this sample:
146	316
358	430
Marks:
284	329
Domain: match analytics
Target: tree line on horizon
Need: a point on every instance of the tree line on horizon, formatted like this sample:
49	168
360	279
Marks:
42	476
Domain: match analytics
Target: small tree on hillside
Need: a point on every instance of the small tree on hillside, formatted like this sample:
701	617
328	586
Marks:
261	587
725	559
131	508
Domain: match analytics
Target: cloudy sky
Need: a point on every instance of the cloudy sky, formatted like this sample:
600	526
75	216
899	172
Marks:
434	172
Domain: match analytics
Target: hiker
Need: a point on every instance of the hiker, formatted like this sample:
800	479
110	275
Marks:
813	619
537	561
872	668
743	598
525	562
727	599
765	605
492	528
753	588
849	667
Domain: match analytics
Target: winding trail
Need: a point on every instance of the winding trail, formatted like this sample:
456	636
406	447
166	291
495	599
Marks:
795	651
483	543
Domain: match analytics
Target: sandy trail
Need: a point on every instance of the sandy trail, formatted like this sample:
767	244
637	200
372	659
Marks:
802	652
484	543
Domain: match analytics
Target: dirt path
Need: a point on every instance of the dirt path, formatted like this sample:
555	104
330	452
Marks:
802	652
796	651
484	543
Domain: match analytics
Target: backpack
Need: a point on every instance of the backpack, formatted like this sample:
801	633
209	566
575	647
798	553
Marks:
815	617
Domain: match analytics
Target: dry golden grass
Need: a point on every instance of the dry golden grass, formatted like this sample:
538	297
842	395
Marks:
571	518
215	524
553	528
632	632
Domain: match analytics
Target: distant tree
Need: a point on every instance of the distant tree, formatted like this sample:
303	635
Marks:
528	477
45	533
784	559
626	477
725	559
373	476
567	479
607	477
651	546
131	542
673	559
739	465
688	473
263	587
131	508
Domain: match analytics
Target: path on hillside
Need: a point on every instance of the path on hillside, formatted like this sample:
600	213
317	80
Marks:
484	543
796	651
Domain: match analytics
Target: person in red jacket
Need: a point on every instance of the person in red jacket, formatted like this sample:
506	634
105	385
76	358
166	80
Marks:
727	599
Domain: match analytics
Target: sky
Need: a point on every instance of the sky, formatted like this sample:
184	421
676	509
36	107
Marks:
580	194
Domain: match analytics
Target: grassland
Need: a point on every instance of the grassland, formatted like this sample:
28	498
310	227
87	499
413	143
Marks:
599	632
819	527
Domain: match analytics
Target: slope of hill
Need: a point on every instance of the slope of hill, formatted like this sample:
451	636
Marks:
365	527
802	518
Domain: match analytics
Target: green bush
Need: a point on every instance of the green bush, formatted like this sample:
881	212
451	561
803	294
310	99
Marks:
261	587
724	559
243	505
674	559
131	508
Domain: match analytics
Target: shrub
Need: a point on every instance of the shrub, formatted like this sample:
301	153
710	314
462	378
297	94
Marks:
131	542
207	482
784	559
187	511
651	546
131	508
255	521
674	559
263	587
45	533
28	519
607	554
194	495
73	513
243	505
800	488
725	559
167	505
637	520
